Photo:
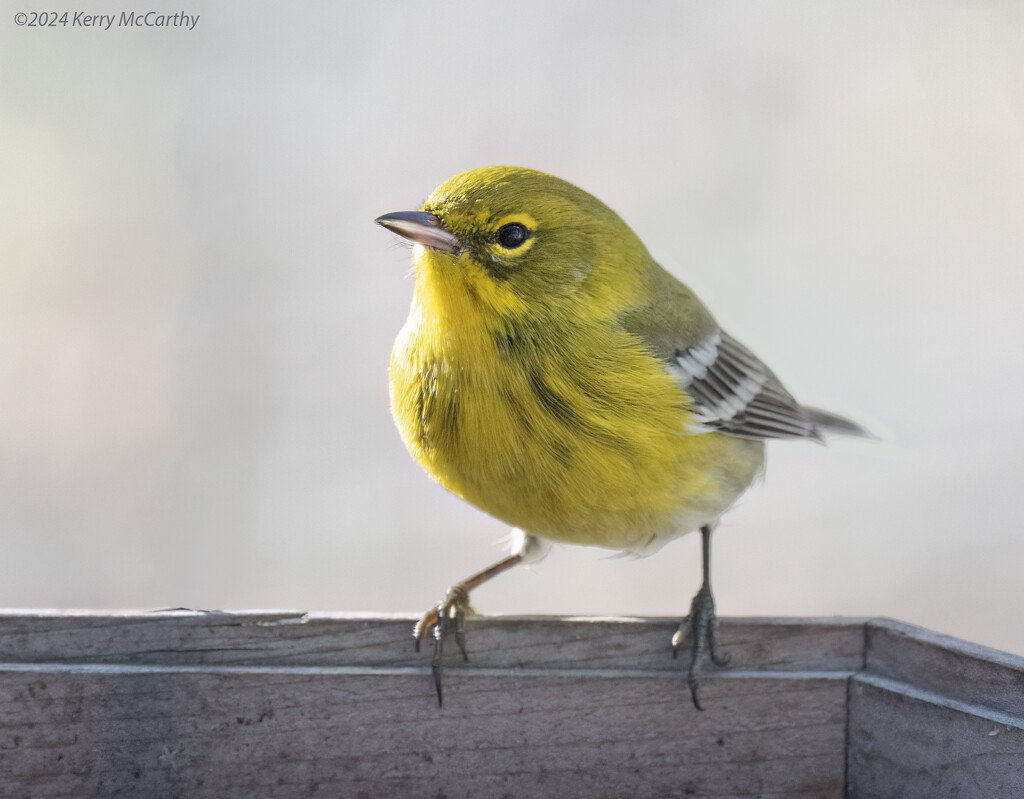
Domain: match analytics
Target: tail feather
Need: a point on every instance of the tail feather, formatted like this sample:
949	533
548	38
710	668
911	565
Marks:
825	422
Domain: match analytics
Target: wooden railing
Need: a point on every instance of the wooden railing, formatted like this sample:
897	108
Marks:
253	704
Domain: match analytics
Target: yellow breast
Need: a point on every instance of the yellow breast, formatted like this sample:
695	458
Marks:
584	442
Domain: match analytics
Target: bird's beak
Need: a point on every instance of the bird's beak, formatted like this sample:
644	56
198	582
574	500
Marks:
423	228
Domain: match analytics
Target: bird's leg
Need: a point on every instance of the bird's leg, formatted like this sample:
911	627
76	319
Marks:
449	615
700	627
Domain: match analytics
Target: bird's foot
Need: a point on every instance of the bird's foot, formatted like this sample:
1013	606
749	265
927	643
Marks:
447	617
699	629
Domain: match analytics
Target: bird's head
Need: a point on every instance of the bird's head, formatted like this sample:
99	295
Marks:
514	242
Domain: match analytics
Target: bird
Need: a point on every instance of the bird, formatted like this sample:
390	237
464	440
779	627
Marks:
554	375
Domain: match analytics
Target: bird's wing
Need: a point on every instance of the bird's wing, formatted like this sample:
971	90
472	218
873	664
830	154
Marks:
731	389
734	392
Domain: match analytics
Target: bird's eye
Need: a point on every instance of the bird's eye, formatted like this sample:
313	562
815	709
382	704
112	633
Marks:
512	235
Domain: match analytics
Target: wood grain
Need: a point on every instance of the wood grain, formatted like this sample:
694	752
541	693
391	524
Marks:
293	638
289	704
912	744
151	731
279	704
931	716
946	666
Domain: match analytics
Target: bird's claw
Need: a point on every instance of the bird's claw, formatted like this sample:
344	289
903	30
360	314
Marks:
700	630
441	621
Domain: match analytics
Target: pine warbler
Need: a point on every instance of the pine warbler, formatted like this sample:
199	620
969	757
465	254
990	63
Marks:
552	374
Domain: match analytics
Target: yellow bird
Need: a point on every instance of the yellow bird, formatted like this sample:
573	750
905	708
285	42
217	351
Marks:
552	374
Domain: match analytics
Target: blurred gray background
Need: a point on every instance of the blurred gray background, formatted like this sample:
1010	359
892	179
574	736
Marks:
196	308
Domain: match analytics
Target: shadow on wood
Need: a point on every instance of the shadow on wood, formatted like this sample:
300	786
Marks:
188	704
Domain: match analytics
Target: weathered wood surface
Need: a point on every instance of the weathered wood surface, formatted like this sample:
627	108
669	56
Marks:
278	704
161	733
908	744
931	716
186	704
945	666
283	638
